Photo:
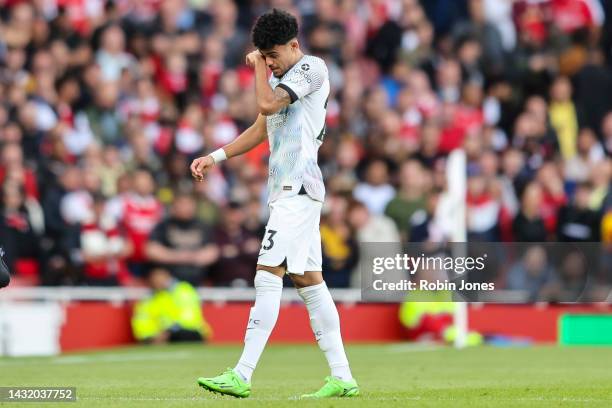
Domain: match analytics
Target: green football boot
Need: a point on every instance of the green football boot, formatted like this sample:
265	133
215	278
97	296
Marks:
335	387
228	383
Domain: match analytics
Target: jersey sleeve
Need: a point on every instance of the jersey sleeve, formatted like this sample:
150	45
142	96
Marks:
304	79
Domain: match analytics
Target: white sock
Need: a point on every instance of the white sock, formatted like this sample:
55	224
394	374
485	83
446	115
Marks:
268	291
325	324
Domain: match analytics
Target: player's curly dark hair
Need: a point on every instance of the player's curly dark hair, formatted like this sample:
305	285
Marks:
275	27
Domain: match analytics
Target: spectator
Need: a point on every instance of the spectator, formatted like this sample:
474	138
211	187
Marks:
606	130
499	14
579	168
12	167
139	212
528	225
593	86
573	15
421	220
76	205
430	140
173	313
532	274
182	243
253	220
410	198
482	32
601	177
112	57
339	248
553	195
512	180
577	222
563	117
19	235
483	209
101	248
238	249
103	116
573	283
370	228
59	235
375	192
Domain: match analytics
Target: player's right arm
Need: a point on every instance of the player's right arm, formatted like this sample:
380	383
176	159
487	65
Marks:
247	140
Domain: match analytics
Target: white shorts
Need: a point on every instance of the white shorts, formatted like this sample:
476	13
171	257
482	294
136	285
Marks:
292	235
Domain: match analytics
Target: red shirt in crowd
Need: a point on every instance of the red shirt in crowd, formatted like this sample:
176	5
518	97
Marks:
571	15
112	266
550	208
140	216
464	118
30	185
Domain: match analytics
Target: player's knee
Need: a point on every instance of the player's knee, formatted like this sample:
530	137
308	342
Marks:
267	281
274	270
307	279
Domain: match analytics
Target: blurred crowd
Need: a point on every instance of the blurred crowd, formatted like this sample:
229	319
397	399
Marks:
103	104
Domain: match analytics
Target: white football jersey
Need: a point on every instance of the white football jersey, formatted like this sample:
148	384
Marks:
296	132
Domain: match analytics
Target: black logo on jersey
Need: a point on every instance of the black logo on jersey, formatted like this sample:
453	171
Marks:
303	73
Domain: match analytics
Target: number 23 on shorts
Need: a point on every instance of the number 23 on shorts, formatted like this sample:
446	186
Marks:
268	242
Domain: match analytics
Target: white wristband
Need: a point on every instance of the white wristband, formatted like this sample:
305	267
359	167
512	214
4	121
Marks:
218	155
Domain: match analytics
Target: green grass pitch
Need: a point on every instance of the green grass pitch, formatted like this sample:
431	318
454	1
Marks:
390	375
